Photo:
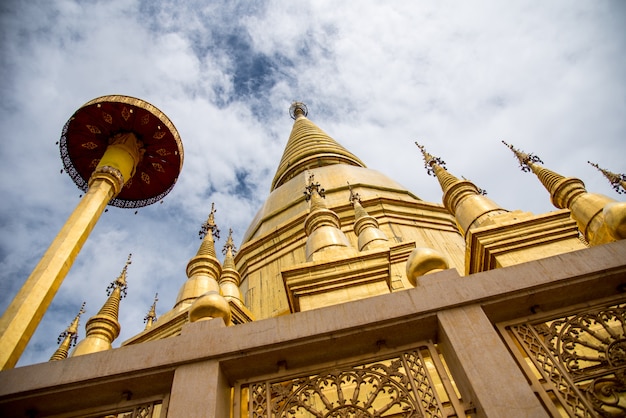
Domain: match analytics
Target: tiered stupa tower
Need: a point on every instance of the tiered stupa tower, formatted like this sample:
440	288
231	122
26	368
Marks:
120	151
67	339
600	219
314	249
151	316
104	327
365	226
211	290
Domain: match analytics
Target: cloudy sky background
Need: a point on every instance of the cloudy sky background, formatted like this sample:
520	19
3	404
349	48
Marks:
459	77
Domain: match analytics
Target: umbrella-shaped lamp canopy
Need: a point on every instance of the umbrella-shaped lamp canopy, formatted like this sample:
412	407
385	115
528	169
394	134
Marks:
87	134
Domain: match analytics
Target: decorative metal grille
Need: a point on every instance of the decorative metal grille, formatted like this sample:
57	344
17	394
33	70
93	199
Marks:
408	385
147	410
581	360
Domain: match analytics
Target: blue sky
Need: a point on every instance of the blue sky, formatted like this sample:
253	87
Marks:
458	77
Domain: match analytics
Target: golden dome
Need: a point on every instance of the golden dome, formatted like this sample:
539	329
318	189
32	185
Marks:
208	306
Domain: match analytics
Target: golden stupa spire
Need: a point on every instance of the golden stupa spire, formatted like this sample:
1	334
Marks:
204	269
462	198
308	147
151	316
322	225
599	218
67	339
618	181
366	226
315	193
103	328
207	232
201	292
230	278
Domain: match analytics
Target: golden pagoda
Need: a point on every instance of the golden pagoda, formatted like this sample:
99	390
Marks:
349	296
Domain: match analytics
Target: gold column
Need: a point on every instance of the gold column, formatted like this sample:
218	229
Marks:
23	315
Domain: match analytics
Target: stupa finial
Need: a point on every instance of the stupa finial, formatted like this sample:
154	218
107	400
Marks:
429	160
67	339
121	279
210	225
230	244
313	186
151	316
354	197
298	109
618	181
104	327
524	159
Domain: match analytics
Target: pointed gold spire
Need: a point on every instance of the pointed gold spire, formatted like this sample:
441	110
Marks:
204	269
67	339
462	198
599	218
151	316
230	278
208	231
618	181
201	292
309	147
322	226
103	328
315	193
549	179
366	226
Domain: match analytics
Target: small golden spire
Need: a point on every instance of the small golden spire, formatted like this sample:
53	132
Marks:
322	225
618	181
204	269
462	198
208	232
549	179
210	225
312	187
120	282
67	339
366	226
151	316
230	279
103	328
353	196
430	161
203	289
599	218
525	160
435	166
229	247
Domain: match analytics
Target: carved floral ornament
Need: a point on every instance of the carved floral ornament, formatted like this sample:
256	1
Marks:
408	385
583	358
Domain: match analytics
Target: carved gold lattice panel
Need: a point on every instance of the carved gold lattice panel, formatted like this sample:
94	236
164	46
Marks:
579	360
145	410
411	384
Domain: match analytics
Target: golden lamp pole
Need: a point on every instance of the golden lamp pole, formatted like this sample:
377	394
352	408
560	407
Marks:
121	151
